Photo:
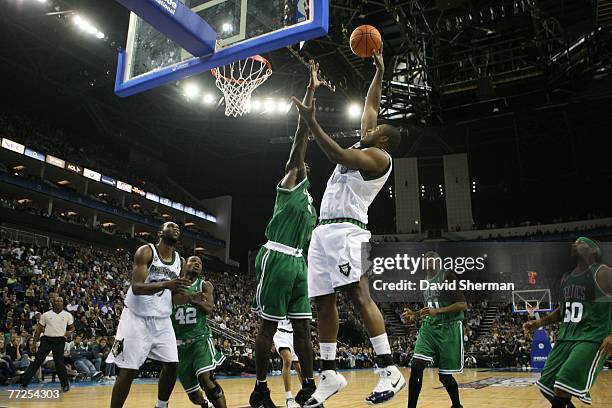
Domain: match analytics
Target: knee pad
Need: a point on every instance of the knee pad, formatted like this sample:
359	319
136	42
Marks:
417	367
214	393
446	379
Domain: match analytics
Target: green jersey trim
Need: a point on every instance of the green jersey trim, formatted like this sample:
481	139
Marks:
341	220
599	288
291	190
156	253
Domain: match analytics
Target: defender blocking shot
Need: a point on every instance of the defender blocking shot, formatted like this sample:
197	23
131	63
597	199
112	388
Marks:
282	282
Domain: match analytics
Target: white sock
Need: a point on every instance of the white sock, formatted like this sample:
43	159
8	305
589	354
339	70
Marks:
161	404
288	395
328	351
380	344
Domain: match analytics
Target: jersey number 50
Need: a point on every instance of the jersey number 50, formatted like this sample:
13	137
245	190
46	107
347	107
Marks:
573	312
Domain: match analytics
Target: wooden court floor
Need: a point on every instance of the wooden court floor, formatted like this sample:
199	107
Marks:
361	383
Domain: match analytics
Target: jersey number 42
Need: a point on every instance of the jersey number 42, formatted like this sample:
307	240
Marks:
185	315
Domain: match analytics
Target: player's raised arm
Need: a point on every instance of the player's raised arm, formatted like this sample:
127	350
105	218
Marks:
142	257
372	160
372	103
295	170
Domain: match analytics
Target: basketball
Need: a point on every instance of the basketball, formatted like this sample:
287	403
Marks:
365	40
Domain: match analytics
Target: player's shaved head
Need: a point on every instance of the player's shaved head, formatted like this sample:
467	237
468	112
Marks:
394	137
169	232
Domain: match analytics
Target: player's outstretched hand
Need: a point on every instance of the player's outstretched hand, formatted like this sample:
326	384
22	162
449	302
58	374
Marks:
408	315
178	285
530	326
379	62
306	112
315	81
606	346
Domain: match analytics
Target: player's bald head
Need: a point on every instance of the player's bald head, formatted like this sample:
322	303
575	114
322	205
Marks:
393	136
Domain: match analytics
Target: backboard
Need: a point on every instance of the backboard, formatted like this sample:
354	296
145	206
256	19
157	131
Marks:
531	301
243	28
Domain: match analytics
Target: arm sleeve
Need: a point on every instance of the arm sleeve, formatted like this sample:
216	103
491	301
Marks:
42	321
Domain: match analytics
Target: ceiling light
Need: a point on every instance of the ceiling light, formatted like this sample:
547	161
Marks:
191	90
269	105
209	98
354	110
281	106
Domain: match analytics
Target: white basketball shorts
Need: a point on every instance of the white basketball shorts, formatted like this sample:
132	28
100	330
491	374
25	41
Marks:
139	338
284	340
334	257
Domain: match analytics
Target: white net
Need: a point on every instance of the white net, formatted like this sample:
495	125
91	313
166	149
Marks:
532	309
238	80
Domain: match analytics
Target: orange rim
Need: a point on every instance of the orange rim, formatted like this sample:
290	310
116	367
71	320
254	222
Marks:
216	74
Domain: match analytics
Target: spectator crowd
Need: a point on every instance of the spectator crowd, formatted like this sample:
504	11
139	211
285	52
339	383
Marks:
93	283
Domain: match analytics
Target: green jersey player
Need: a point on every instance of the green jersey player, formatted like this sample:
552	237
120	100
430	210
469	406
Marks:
282	275
585	328
197	355
440	338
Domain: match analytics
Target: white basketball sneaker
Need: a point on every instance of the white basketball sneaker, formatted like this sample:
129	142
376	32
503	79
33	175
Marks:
389	385
290	403
330	382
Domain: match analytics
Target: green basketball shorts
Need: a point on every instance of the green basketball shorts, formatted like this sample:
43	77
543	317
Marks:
196	357
572	366
282	286
441	344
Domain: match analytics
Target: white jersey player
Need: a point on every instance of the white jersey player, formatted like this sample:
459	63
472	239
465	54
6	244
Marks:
283	341
283	338
145	329
334	255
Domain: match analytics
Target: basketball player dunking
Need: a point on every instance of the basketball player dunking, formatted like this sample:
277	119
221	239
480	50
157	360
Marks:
334	255
145	329
282	283
585	328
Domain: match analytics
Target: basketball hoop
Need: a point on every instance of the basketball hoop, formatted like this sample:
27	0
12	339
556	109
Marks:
531	310
238	80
